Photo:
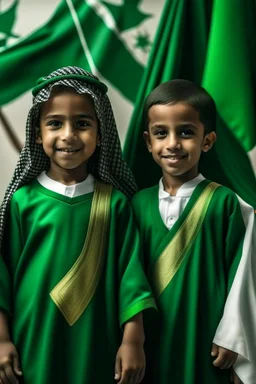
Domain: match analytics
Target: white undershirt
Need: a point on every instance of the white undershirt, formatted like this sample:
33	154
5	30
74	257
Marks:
171	207
74	190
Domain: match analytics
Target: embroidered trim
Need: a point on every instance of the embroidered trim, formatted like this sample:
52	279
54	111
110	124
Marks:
174	254
74	292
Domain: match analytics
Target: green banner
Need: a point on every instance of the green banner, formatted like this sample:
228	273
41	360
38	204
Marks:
213	44
75	35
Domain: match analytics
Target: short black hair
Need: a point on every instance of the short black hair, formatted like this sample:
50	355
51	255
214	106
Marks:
184	91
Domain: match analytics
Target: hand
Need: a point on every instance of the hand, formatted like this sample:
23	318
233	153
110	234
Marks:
130	363
9	363
234	378
225	358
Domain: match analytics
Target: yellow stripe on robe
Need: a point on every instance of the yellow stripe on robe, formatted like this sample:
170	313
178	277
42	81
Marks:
173	255
74	292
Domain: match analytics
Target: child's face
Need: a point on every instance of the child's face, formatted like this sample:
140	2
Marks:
69	133
176	139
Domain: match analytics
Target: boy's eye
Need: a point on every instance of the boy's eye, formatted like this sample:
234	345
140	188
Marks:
187	132
82	124
160	133
54	123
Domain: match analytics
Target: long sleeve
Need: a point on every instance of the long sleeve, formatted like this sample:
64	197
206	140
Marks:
11	249
134	292
237	328
5	288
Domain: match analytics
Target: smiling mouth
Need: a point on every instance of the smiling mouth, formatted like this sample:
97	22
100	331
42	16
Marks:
174	157
66	150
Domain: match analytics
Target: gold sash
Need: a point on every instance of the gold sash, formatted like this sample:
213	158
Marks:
76	289
173	255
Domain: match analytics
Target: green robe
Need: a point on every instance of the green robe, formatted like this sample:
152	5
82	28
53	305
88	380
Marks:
191	303
43	239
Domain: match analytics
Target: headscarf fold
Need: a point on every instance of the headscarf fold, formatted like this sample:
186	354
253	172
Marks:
106	163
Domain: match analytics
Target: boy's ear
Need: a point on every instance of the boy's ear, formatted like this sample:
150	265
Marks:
209	140
147	140
38	136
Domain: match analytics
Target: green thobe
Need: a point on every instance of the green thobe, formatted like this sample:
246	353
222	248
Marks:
191	268
44	236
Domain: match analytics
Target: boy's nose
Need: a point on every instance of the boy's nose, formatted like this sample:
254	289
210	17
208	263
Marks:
173	142
68	132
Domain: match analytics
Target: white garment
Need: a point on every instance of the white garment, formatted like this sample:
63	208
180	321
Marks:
73	190
237	328
171	207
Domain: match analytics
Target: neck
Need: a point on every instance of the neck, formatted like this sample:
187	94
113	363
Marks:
68	176
173	183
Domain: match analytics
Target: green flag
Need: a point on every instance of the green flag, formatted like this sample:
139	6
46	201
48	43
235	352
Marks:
7	19
75	35
230	77
111	38
211	43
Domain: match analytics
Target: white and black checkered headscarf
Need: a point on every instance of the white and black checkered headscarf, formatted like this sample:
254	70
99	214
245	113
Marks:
106	164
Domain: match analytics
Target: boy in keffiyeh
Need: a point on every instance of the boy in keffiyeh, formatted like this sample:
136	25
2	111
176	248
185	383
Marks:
70	272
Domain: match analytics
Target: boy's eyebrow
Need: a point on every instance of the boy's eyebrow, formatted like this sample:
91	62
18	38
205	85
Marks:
80	115
186	125
181	125
156	126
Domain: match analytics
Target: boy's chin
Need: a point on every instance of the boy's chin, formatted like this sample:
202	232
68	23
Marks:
187	174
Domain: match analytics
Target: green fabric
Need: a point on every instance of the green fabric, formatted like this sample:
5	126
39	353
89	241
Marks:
45	235
136	308
42	82
5	288
57	44
209	42
179	338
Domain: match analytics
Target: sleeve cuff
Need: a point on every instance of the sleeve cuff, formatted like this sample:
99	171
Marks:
137	308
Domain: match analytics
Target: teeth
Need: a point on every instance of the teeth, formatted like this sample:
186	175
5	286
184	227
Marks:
174	158
68	150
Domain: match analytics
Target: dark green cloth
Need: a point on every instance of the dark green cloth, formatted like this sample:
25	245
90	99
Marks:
179	337
44	237
210	42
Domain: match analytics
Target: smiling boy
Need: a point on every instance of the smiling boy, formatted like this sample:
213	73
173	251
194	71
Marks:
68	149
196	237
72	288
176	138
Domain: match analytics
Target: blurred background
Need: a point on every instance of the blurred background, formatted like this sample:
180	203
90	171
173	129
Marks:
133	46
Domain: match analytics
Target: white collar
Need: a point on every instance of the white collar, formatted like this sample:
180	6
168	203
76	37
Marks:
74	190
185	190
